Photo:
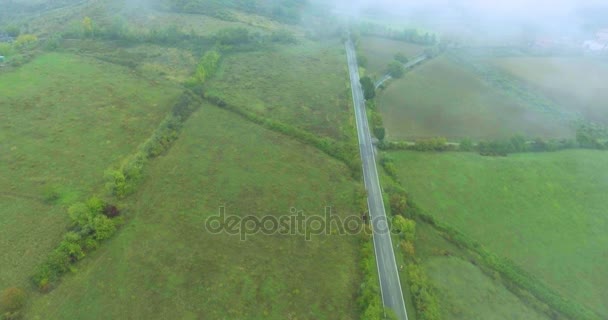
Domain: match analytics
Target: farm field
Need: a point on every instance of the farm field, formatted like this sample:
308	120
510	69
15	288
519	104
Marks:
381	51
441	98
575	84
305	85
64	120
164	264
463	289
546	212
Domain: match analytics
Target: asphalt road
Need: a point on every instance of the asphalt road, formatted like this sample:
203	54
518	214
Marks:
406	66
390	286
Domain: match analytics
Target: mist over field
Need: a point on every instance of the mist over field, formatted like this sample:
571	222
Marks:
477	130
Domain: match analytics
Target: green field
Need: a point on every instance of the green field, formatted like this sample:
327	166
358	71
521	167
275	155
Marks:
464	290
441	98
546	212
164	264
64	120
467	293
305	85
381	51
575	84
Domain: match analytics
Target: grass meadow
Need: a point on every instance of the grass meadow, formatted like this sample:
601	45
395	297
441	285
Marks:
546	212
64	120
381	51
441	98
304	85
164	264
464	290
560	80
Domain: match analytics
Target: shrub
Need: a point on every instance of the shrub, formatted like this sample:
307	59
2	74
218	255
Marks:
116	183
26	40
95	205
400	56
425	301
104	227
389	167
80	215
380	133
396	69
405	227
432	144
466	145
12	299
369	89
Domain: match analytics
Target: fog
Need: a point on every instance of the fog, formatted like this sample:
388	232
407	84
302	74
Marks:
489	21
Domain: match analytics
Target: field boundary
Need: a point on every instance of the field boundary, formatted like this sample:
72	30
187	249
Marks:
341	151
518	281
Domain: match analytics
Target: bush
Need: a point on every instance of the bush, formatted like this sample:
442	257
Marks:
466	145
425	301
12	299
432	144
104	227
380	133
369	89
400	56
405	227
395	69
26	41
389	167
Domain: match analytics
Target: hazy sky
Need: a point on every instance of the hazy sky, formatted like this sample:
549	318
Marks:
530	8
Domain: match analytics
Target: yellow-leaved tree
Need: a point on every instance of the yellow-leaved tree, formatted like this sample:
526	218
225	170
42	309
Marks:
87	25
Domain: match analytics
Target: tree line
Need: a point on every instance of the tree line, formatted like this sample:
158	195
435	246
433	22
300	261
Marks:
406	34
285	11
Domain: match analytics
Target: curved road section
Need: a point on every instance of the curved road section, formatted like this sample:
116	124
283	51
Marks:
390	286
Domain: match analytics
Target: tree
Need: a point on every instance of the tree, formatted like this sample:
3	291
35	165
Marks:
466	145
12	299
519	143
396	69
380	133
207	66
400	56
398	203
87	26
405	227
25	40
408	248
369	89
